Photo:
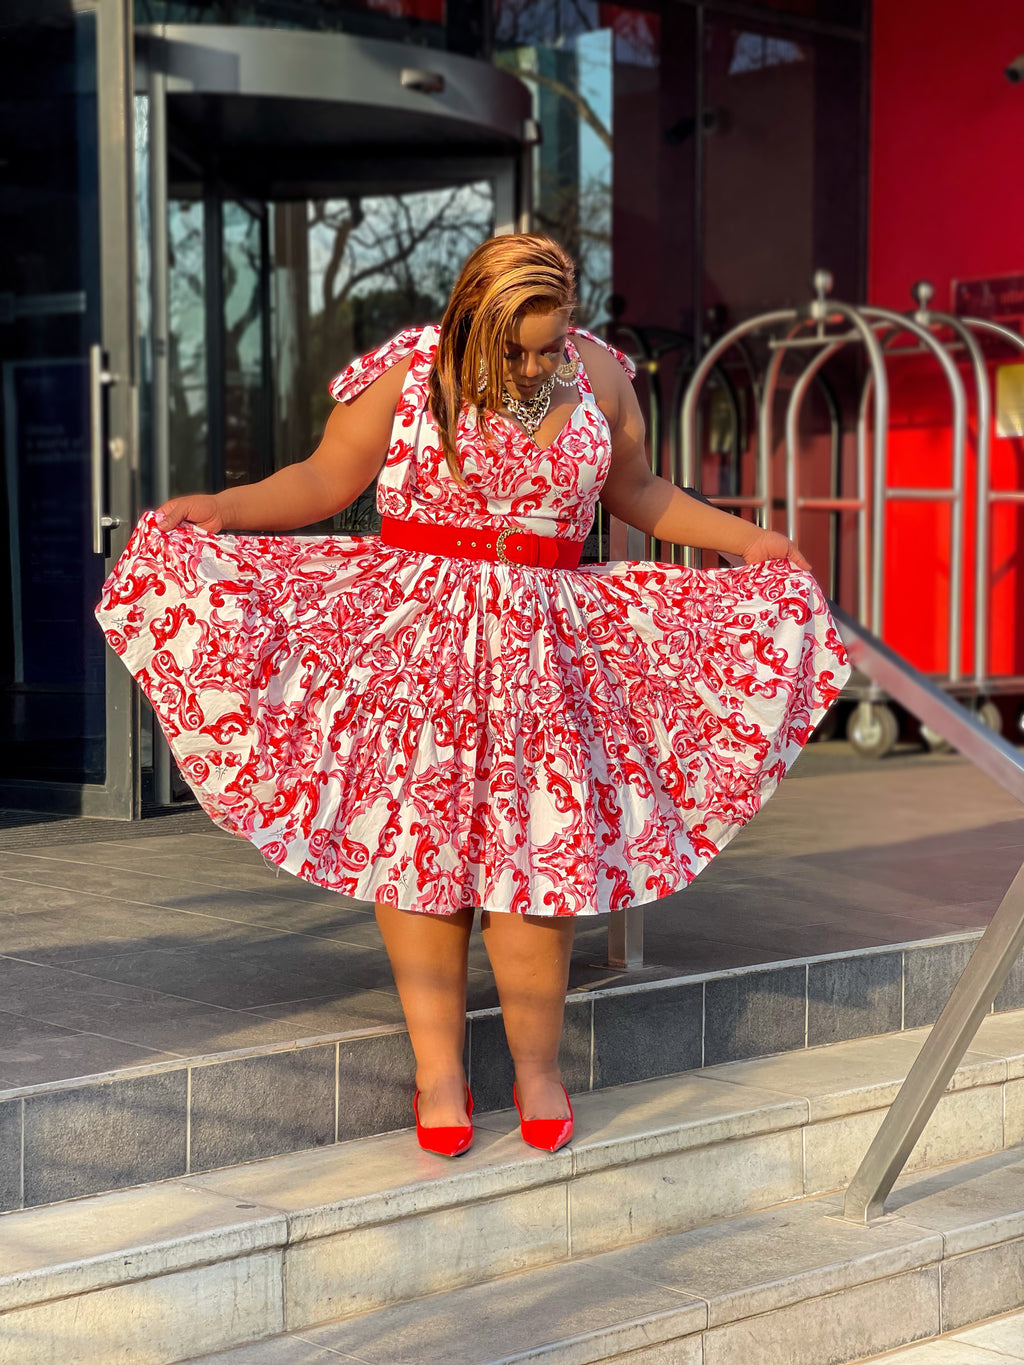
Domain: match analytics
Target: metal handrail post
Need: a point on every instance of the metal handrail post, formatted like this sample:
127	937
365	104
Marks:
956	493
626	937
835	462
943	1051
994	954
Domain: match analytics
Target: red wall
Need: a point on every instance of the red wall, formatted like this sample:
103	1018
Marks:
947	145
947	202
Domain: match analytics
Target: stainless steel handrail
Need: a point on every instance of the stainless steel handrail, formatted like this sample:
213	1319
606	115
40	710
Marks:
995	954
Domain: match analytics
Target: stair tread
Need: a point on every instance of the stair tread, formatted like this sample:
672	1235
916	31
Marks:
349	1184
62	1250
599	1306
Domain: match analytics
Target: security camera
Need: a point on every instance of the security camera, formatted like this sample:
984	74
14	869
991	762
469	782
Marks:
1014	73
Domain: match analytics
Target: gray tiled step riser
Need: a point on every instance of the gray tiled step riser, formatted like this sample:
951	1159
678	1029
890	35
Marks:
283	1245
288	1275
68	1140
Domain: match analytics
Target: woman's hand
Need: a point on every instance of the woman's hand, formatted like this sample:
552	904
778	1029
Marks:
773	545
202	509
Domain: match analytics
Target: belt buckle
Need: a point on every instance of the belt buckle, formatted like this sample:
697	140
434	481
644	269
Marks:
499	545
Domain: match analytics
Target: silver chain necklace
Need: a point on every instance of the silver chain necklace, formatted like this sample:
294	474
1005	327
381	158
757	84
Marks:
530	412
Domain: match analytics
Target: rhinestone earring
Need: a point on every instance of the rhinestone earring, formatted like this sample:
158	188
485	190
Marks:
566	372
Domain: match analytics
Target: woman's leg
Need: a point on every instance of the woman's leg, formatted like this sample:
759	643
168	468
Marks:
429	955
530	960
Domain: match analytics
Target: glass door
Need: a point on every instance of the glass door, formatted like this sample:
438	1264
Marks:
67	402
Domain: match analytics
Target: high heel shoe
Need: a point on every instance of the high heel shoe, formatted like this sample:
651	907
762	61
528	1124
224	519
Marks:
445	1141
547	1134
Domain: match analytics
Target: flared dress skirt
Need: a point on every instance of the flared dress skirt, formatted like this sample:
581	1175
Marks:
434	733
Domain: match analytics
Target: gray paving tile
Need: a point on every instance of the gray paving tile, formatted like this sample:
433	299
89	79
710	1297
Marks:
104	1136
10	1155
70	926
54	1054
252	1107
170	862
1011	994
467	1326
24	881
639	1034
167	1023
288	1350
375	1085
334	1013
973	1204
260	971
753	1014
854	997
751	1265
1004	1335
930	973
490	1069
691	954
21	983
18	1030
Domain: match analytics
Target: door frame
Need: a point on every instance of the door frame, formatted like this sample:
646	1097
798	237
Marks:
114	419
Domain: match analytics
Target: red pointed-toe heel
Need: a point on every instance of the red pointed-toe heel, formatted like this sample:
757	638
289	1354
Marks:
547	1134
451	1141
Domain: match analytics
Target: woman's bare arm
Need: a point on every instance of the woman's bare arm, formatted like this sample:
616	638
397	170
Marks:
640	498
347	460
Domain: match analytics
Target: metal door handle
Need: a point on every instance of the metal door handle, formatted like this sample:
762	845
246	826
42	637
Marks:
99	376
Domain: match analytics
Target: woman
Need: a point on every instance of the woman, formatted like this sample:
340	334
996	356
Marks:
454	714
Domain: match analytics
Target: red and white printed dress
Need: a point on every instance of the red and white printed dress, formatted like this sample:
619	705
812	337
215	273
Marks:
436	733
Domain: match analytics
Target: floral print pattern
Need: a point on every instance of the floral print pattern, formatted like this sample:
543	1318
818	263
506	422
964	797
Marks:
435	733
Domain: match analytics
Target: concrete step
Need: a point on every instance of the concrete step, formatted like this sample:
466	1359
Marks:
205	1262
786	1286
81	1135
999	1341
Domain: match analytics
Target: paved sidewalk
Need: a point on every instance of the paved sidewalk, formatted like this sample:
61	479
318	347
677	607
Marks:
1000	1341
124	944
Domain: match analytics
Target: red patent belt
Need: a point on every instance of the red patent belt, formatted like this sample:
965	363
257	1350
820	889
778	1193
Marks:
509	546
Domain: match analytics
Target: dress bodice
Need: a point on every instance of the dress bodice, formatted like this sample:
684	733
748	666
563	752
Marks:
551	490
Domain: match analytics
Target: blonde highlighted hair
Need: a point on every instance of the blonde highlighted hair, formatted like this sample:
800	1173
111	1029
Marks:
505	278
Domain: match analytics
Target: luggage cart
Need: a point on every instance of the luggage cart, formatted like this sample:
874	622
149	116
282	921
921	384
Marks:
980	687
823	328
873	727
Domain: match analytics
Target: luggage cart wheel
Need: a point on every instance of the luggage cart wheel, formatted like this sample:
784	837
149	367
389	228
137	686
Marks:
988	713
932	740
872	728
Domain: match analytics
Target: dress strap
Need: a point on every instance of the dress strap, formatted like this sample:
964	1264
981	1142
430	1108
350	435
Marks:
361	373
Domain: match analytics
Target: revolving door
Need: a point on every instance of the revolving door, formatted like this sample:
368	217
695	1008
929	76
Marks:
302	198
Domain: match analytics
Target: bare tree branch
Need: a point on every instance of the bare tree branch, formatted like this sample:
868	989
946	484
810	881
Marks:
578	101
